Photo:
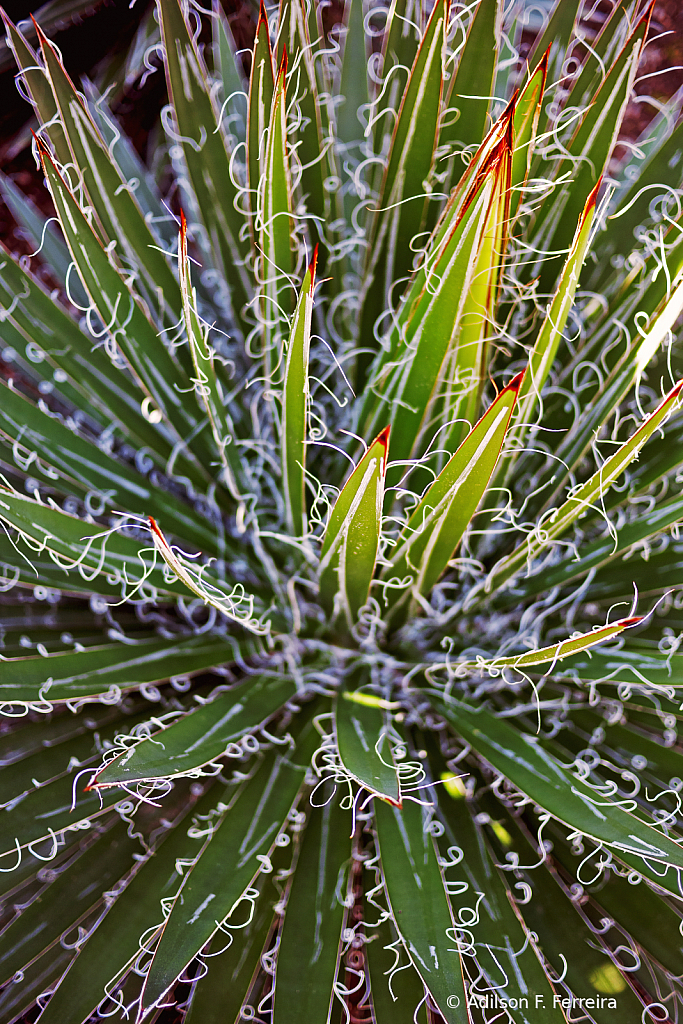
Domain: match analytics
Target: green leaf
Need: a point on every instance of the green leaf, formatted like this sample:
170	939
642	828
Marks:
546	345
560	519
38	86
112	948
628	368
557	652
641	912
525	125
295	402
589	150
435	528
349	550
54	452
97	382
64	902
127	326
220	994
568	943
114	203
398	996
429	350
236	851
46	818
83	547
274	223
211	175
207	386
503	949
557	32
626	666
228	61
354	86
618	543
48	764
109	669
236	603
308	953
365	748
471	87
522	759
201	736
419	905
400	44
399	208
43	234
261	88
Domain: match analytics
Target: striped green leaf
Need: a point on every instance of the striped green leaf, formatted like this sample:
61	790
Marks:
237	849
436	526
523	760
209	167
349	550
115	205
201	736
399	210
207	385
295	403
274	221
365	748
560	519
408	388
108	955
556	652
419	905
308	953
109	669
261	88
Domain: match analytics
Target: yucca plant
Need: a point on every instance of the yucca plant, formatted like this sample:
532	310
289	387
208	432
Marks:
339	501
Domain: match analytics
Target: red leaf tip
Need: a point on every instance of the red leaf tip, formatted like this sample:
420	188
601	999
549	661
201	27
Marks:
516	382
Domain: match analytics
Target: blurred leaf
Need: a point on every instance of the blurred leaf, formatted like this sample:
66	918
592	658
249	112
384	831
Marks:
109	669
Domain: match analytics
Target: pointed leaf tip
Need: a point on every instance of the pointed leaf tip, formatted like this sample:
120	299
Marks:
516	382
383	439
314	262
